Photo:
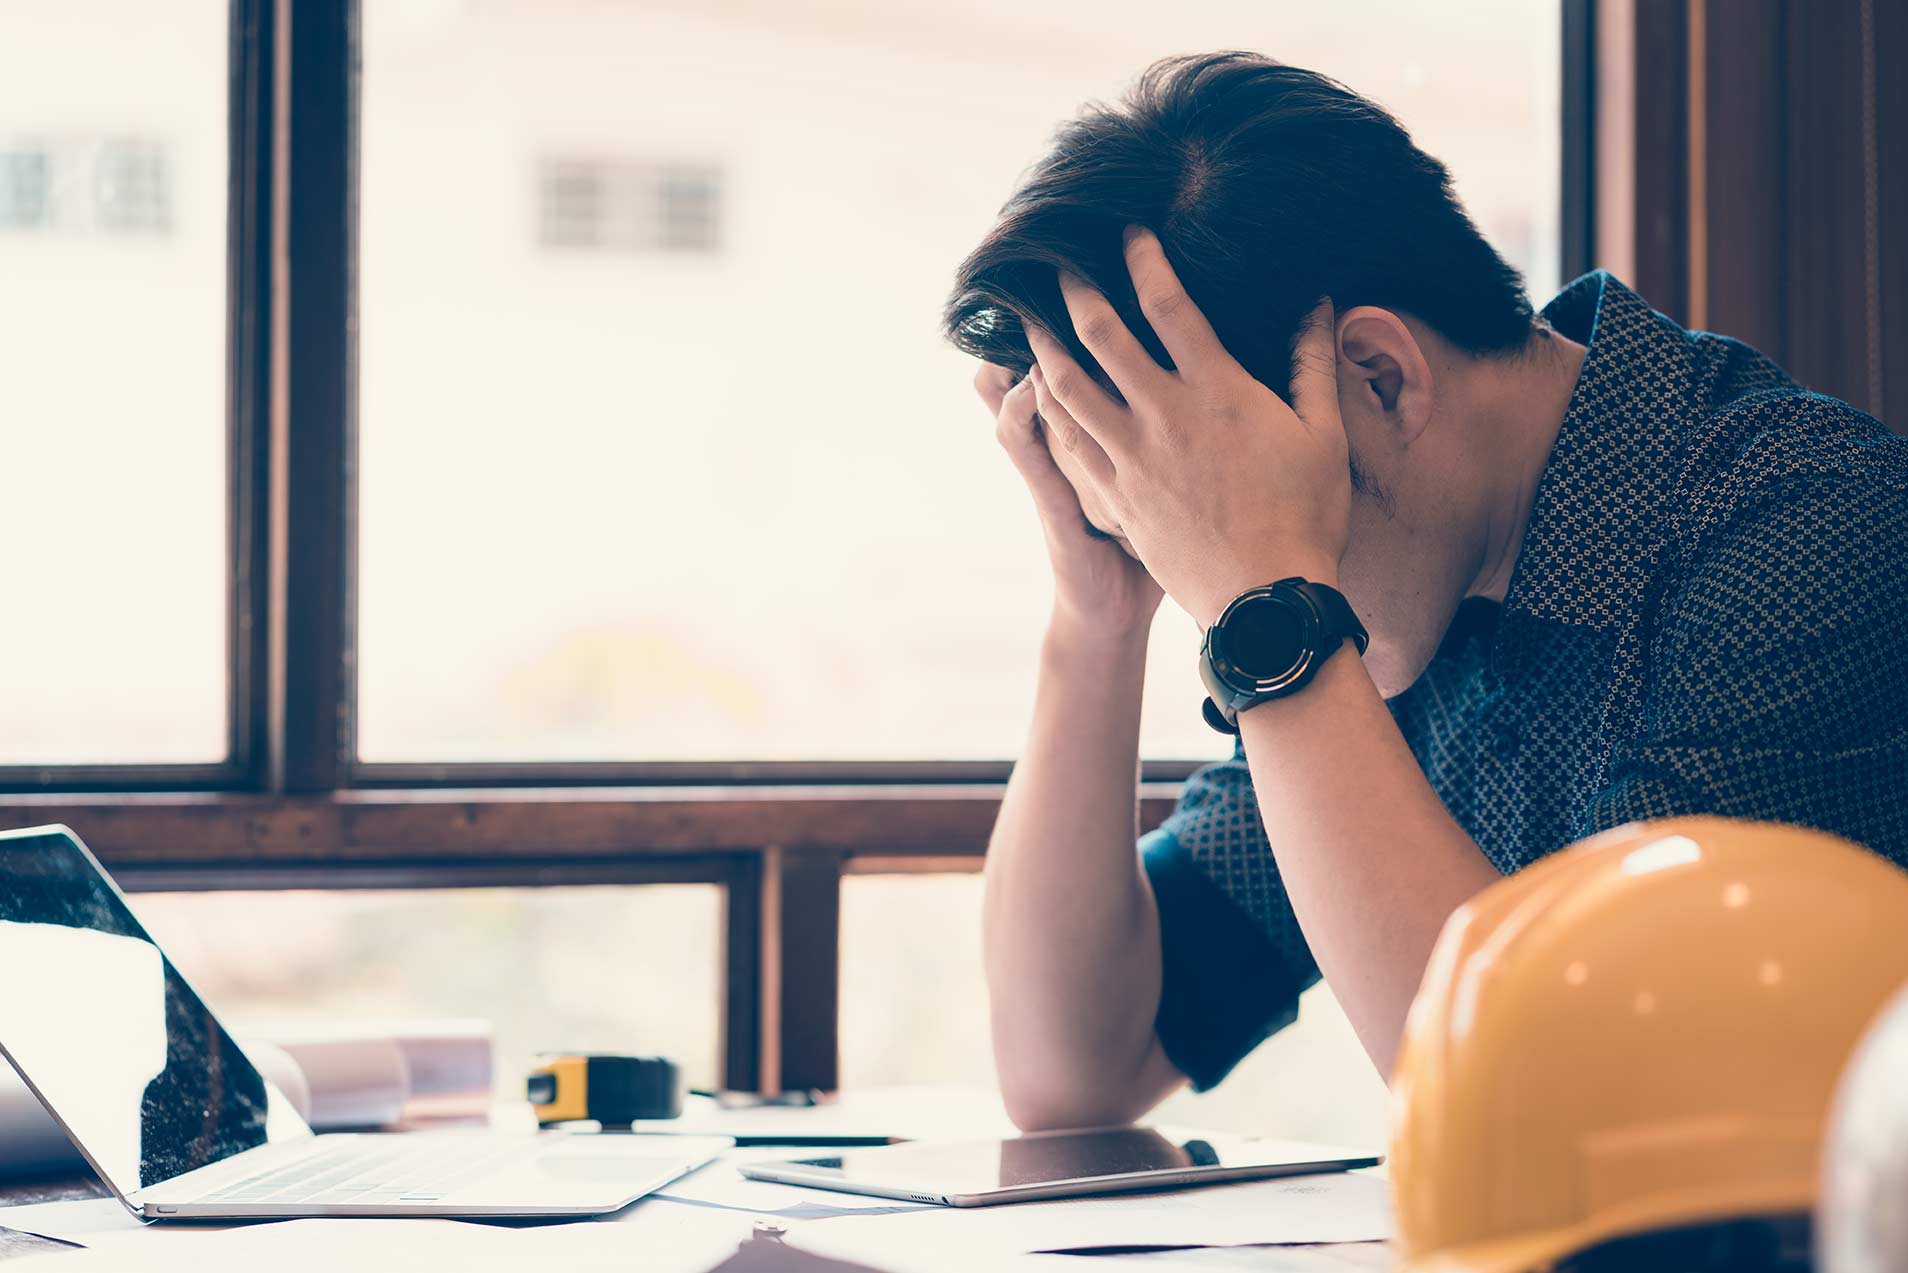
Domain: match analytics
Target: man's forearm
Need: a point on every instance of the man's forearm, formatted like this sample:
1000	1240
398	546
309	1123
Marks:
1072	936
1372	861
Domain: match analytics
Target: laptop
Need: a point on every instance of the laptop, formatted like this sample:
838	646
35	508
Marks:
172	1115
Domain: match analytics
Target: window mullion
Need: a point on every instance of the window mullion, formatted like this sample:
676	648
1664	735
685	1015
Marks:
314	699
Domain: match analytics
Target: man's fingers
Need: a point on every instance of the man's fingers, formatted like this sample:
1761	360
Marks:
1019	433
1088	408
1064	430
1315	366
1099	328
992	382
1177	322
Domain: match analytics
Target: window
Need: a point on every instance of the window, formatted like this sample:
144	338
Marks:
615	508
24	188
552	969
914	1010
572	211
132	185
113	418
587	407
628	206
85	185
691	205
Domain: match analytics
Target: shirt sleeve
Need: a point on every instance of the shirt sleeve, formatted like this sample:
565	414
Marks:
1778	685
1233	958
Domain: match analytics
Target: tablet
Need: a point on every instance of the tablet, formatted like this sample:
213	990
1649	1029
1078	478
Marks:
1055	1165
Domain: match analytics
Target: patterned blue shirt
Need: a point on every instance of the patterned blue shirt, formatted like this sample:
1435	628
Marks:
1706	616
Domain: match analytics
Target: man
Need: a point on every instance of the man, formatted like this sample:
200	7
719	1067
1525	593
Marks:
1609	570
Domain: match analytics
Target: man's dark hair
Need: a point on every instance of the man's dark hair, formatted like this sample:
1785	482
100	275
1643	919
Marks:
1270	187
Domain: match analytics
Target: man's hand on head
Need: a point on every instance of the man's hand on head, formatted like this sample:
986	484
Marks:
1217	483
1097	586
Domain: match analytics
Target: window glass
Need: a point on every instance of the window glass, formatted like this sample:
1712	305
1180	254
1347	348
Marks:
914	1010
567	969
112	417
662	456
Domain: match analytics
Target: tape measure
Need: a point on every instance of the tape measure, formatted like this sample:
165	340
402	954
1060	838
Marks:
613	1090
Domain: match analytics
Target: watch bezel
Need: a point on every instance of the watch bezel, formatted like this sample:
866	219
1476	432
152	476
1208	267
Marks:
1311	629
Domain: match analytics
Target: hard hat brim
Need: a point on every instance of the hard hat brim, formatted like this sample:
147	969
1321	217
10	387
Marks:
1527	1251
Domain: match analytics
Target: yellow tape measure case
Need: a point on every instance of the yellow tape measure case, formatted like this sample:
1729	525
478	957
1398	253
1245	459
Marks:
612	1090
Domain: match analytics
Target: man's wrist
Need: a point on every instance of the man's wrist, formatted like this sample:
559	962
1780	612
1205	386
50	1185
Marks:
1338	673
1318	569
1073	635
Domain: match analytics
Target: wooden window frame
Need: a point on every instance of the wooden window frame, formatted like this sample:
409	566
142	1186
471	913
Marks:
1743	188
293	807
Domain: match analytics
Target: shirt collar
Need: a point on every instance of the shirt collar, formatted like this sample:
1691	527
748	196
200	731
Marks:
1593	536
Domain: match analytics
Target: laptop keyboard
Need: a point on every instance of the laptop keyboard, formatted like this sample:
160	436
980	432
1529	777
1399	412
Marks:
363	1174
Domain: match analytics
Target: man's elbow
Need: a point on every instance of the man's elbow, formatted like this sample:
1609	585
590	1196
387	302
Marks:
1057	1102
1052	1112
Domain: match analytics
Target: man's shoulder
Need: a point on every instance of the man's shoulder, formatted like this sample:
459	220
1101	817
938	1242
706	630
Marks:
1787	571
1769	453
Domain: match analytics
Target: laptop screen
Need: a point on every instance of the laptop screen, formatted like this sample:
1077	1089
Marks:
95	1018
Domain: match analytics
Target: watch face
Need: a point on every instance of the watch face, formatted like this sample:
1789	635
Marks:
1265	638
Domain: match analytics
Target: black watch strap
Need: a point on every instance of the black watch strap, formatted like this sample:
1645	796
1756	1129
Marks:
1341	624
1231	691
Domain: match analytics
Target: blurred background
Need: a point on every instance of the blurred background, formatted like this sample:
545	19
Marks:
660	457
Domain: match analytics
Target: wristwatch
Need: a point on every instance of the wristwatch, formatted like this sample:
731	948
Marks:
1269	642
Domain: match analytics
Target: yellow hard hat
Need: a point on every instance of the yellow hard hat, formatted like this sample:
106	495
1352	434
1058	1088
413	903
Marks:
1638	1033
1862	1221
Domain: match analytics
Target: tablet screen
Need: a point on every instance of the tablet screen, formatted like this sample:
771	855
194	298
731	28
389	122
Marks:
983	1167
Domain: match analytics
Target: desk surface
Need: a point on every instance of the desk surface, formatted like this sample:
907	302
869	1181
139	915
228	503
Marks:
1332	1258
1340	1258
19	1193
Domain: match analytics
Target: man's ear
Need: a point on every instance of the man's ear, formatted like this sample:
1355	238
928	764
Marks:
1379	359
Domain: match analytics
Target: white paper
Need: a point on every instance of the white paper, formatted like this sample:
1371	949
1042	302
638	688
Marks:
282	1071
293	1246
663	1239
353	1082
1337	1207
655	1234
377	1073
452	1068
77	1220
651	1235
721	1186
